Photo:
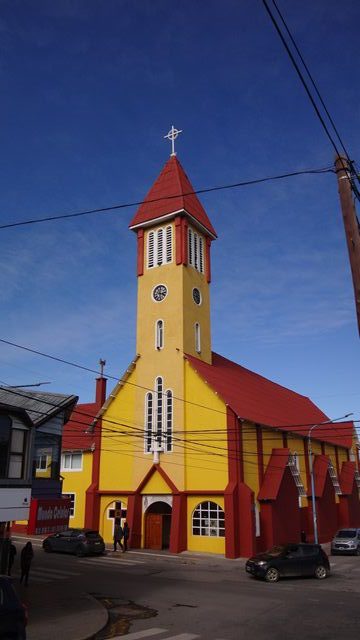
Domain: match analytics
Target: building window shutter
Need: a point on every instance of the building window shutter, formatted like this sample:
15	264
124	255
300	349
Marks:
201	255
169	421
151	242
196	251
159	410
190	247
160	247
168	244
148	421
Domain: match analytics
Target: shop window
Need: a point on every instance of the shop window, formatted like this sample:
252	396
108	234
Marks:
208	520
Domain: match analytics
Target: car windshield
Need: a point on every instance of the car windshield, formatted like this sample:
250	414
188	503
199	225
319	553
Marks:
276	551
346	533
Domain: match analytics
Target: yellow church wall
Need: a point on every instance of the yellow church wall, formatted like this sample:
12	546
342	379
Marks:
156	486
342	455
121	440
206	452
77	482
270	440
205	544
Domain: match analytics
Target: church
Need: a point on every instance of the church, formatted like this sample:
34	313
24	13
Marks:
195	451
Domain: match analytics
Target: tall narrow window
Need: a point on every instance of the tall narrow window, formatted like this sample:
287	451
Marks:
148	421
160	246
196	251
159	334
151	242
168	244
201	255
190	246
159	410
169	421
197	338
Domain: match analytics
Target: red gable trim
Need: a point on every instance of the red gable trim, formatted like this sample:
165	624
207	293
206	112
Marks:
274	474
172	192
156	468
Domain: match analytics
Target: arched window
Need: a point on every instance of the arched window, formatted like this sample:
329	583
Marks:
159	334
190	247
168	244
208	519
169	420
148	421
151	249
201	255
195	250
159	409
197	338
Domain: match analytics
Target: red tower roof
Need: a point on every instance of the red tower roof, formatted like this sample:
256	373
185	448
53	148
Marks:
172	192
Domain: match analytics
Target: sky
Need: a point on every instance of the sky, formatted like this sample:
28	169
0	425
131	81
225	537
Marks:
89	89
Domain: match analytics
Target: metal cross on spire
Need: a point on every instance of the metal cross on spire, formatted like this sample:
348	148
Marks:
172	135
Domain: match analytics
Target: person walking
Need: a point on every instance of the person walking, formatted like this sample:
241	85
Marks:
126	532
118	536
26	557
12	554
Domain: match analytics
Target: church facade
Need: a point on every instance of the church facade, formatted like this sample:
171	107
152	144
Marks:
197	452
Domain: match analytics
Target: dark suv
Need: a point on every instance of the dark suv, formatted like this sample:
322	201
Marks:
81	542
13	614
290	560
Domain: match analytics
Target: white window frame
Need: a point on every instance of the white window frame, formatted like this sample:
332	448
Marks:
156	418
68	494
159	247
40	458
151	250
196	255
159	334
205	524
149	424
197	337
71	454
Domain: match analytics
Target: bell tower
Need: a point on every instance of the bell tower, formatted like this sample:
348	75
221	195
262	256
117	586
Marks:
174	236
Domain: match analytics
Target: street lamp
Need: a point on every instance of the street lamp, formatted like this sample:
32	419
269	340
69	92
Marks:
311	467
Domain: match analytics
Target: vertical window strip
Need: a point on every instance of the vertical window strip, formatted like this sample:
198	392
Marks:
159	410
169	420
168	244
196	251
151	248
160	246
197	338
149	422
190	247
201	255
159	333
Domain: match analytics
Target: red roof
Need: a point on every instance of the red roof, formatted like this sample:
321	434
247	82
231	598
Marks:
255	398
347	477
172	191
74	433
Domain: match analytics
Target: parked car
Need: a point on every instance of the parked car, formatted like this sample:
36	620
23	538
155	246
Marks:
289	560
346	541
81	542
13	614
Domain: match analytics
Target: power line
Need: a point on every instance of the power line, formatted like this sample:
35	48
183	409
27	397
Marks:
116	207
303	82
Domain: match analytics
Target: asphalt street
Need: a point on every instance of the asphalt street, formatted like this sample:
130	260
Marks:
165	597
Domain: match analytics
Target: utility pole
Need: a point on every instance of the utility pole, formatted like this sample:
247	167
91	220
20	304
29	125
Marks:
351	225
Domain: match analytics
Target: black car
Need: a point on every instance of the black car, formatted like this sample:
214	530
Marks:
13	614
289	560
81	542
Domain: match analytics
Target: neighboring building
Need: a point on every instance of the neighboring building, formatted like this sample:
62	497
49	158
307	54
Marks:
80	459
47	413
198	452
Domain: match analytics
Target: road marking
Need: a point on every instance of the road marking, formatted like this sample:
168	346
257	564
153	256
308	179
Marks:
104	563
142	634
114	560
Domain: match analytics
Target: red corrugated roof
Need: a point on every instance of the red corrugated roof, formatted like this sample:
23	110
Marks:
264	402
74	433
347	477
175	187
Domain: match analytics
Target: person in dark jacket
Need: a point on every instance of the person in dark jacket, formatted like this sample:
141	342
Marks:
12	554
118	536
26	557
126	531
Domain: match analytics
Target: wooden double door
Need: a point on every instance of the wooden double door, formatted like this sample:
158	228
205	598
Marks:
157	530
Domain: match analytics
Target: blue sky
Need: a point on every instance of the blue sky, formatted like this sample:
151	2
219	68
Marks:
89	89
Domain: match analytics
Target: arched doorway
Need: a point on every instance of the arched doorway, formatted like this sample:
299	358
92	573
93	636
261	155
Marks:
157	526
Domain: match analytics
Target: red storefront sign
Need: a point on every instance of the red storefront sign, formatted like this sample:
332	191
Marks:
48	516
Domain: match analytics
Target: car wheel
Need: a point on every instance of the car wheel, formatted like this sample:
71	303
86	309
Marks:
80	552
357	552
321	572
272	575
47	547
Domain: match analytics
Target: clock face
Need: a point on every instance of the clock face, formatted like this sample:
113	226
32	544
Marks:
196	296
160	292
